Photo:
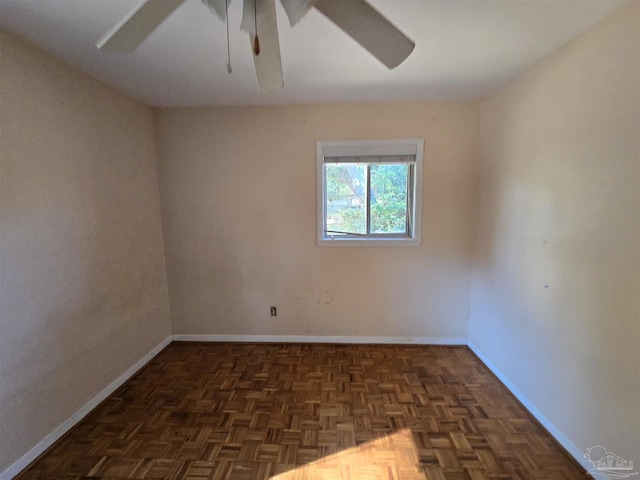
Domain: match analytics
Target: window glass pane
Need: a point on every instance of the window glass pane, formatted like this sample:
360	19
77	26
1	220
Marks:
345	196
389	198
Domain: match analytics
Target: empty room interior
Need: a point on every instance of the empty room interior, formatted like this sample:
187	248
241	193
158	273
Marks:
319	239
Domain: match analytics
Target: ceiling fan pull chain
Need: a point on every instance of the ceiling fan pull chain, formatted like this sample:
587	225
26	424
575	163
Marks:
256	42
226	8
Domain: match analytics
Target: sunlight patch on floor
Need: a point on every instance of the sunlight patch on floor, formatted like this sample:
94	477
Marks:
392	457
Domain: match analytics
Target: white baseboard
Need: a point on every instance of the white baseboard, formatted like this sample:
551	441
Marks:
555	432
49	440
321	339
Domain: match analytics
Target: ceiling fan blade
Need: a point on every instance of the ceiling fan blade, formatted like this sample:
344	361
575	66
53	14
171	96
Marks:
363	23
267	62
219	7
137	25
296	9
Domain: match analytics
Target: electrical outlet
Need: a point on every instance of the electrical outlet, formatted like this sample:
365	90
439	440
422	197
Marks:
274	312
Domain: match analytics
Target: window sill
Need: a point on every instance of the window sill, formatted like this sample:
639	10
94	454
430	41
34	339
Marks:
369	242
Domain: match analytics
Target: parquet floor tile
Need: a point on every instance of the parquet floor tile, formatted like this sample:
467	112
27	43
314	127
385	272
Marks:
308	412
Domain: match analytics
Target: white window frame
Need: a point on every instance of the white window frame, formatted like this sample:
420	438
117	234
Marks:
359	148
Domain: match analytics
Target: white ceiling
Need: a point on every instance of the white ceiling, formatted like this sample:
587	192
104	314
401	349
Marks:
465	49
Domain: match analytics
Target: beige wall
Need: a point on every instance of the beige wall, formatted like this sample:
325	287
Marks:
555	299
82	283
238	192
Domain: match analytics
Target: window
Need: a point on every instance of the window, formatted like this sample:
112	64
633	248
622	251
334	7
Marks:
369	192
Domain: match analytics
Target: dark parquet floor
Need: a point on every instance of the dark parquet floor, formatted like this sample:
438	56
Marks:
290	411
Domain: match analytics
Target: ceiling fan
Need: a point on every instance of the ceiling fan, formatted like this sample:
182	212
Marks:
357	18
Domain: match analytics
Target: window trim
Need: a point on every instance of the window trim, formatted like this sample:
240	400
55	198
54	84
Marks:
353	148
